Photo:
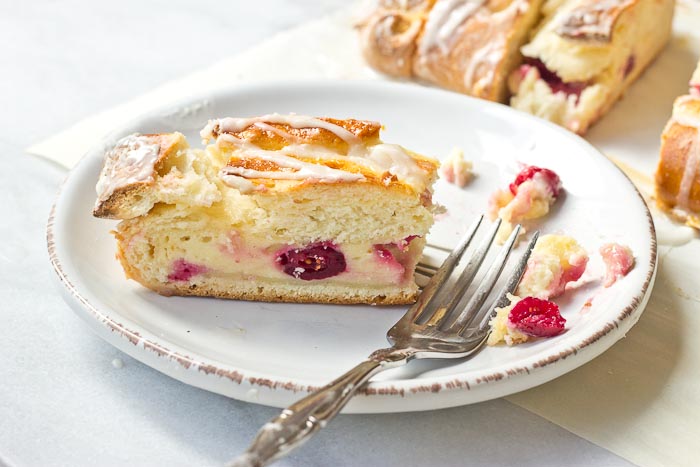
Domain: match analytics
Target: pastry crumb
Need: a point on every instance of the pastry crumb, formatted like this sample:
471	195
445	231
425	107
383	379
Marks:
556	261
456	169
501	332
530	196
618	260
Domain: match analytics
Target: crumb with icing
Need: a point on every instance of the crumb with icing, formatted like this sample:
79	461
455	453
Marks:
618	260
456	169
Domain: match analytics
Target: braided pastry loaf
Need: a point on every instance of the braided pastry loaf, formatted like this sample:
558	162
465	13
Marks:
468	46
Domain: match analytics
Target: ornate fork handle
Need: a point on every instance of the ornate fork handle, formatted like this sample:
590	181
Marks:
297	423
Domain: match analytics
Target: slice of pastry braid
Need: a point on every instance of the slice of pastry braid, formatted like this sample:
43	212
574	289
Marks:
469	46
276	208
585	54
678	172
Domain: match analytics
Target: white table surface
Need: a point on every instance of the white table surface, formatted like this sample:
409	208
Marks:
62	401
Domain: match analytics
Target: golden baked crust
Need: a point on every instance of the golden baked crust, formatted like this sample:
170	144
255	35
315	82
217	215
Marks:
678	172
267	138
252	291
346	146
469	46
125	189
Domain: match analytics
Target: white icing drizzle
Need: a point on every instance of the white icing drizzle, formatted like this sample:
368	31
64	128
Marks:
131	160
307	151
690	171
591	20
492	52
670	233
230	139
684	118
692	163
489	56
444	19
277	131
385	27
691	168
392	158
385	36
235	181
235	125
301	170
380	158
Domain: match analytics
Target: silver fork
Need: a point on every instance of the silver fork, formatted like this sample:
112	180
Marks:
439	325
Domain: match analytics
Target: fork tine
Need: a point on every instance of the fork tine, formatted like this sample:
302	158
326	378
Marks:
510	286
445	307
426	267
477	299
438	280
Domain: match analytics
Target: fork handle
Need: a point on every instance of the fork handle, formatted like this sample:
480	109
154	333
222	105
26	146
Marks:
298	422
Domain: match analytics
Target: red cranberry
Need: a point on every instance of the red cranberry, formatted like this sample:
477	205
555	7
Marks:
317	261
184	270
537	318
556	84
550	177
383	253
695	90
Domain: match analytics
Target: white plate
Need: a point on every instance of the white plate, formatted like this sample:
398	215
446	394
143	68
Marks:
274	353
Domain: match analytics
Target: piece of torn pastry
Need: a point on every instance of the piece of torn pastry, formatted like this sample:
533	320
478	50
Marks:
555	261
524	319
618	260
277	208
585	54
456	169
